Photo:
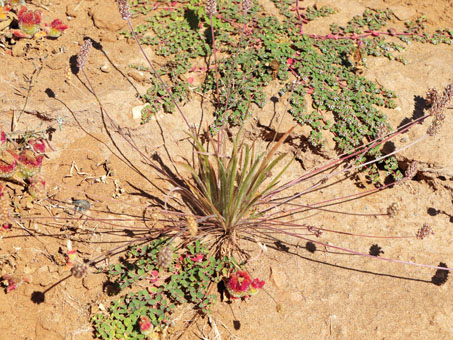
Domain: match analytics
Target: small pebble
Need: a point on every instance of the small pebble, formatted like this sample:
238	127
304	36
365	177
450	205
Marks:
105	68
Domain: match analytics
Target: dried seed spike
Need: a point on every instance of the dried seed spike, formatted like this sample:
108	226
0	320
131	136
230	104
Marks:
165	257
246	5
439	104
192	225
431	96
434	127
424	231
382	131
411	170
124	9
4	208
393	209
211	7
83	54
79	270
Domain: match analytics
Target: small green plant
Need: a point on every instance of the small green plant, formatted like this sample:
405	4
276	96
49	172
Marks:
228	188
257	49
29	22
21	157
147	312
232	192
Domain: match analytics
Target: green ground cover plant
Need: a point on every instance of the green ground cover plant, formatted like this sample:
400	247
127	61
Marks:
185	278
233	190
257	49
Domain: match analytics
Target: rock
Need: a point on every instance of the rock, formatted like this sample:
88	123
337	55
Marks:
403	13
107	17
278	277
105	68
92	281
137	111
138	76
71	10
20	48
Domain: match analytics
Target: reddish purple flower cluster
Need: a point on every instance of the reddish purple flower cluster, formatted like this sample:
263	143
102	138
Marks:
29	22
240	284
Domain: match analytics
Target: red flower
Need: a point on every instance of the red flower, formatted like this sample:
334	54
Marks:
6	227
290	61
154	276
29	21
38	145
3	137
197	258
239	281
56	28
28	159
146	327
257	283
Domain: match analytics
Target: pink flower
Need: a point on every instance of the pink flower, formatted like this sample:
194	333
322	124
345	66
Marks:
3	137
257	283
56	28
38	145
190	80
7	170
12	284
6	227
238	283
197	258
154	276
29	21
290	61
29	163
146	327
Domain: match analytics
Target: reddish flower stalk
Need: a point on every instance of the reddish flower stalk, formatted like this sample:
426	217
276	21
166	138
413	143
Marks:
354	36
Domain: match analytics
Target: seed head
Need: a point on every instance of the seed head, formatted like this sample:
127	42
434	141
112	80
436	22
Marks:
434	127
424	231
124	9
79	270
316	231
431	96
438	103
192	225
411	170
83	54
382	131
165	257
393	209
211	7
246	5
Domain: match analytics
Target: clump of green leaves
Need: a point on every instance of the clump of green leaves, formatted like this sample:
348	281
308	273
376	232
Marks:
228	188
267	50
187	280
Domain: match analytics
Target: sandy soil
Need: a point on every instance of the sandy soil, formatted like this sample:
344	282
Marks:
322	295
